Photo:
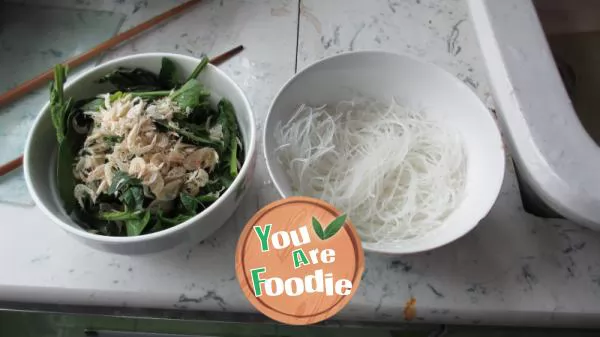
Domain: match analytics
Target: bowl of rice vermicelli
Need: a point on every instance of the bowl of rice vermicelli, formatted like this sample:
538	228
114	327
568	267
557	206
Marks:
405	149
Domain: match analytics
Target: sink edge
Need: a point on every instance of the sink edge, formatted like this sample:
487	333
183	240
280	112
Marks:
525	90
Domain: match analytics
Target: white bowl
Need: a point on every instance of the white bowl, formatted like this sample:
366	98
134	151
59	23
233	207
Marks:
419	85
41	146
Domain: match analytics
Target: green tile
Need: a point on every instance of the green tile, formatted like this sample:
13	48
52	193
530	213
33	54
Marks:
204	328
463	331
19	324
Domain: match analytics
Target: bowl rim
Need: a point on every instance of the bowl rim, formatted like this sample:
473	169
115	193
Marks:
494	189
249	154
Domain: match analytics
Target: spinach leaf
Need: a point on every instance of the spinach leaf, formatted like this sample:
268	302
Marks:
65	182
69	140
209	197
188	135
121	180
59	107
189	204
190	96
135	222
230	131
93	222
136	79
108	228
202	113
149	95
157	226
133	198
93	105
220	184
174	220
129	191
168	74
119	215
135	227
197	129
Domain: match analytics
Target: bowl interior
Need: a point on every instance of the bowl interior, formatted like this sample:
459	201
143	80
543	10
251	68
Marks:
41	147
418	85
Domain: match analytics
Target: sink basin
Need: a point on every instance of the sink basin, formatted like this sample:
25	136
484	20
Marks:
543	61
573	32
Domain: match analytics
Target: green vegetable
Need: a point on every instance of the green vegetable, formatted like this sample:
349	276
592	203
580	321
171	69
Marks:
203	113
120	215
64	173
96	103
196	129
189	135
135	222
191	95
93	105
62	116
135	227
230	131
189	203
136	79
198	69
209	197
59	107
151	94
129	191
157	226
120	179
124	209
174	220
133	197
168	74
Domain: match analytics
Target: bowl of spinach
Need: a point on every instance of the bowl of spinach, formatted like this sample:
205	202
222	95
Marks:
141	153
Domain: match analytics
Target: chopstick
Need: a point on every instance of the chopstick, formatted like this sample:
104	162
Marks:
15	163
11	165
44	77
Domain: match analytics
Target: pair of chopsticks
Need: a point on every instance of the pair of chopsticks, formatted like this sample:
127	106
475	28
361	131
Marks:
24	88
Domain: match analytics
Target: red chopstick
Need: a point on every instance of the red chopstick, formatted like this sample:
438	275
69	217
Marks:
46	76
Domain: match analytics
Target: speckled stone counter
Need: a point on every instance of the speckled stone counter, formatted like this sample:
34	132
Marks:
514	268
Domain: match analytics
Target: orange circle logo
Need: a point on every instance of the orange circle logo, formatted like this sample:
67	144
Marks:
299	260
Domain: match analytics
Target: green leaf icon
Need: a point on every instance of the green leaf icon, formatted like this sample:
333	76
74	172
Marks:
331	229
335	226
318	229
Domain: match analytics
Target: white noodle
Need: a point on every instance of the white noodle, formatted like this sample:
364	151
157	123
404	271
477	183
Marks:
397	173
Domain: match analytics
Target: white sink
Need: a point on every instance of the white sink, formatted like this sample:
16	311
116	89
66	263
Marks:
553	151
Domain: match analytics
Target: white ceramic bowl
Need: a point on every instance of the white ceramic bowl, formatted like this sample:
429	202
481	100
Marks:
41	147
382	75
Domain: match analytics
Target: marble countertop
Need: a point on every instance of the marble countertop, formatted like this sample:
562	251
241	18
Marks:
514	268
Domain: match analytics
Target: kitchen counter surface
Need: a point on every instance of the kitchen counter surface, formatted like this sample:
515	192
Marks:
514	268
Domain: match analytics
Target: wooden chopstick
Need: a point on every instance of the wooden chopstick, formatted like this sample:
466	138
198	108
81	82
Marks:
11	165
15	163
35	82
